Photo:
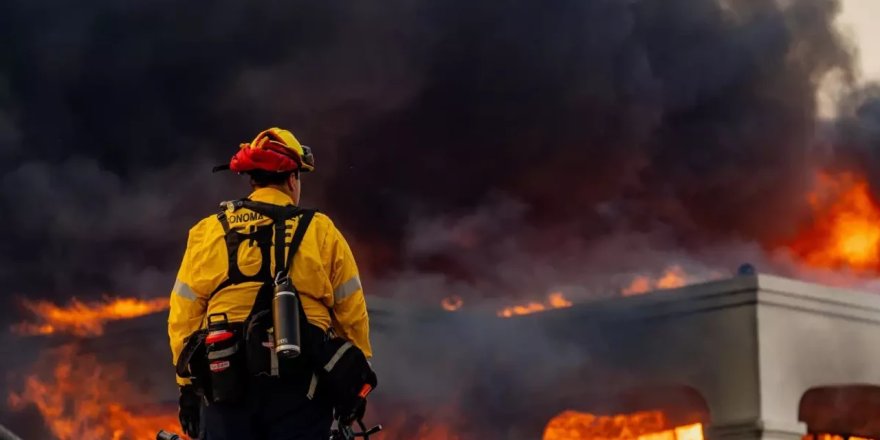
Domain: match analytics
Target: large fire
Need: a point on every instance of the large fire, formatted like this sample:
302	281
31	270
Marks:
647	425
85	319
845	231
85	399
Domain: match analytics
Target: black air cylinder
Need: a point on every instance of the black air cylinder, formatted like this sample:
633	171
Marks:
165	435
285	319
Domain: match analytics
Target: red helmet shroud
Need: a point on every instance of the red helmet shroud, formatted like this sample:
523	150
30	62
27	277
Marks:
266	159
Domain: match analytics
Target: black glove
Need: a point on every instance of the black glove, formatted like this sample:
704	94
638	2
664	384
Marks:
359	406
354	407
351	410
190	407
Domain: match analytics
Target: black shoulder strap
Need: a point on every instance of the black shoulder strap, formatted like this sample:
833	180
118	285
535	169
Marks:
221	217
304	220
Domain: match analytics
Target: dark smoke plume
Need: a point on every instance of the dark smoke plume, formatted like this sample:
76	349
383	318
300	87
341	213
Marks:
858	133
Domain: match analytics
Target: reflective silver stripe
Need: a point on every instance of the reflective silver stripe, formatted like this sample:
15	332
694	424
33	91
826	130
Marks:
337	356
183	290
222	353
313	384
7	434
347	288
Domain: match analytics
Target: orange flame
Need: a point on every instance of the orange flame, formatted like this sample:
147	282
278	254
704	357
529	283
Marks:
555	300
845	232
452	303
648	425
84	399
833	437
85	319
673	277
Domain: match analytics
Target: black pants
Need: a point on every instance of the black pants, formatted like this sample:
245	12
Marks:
273	410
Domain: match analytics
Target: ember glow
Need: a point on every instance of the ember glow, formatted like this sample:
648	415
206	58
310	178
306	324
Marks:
832	437
84	319
83	399
672	277
452	303
555	300
648	425
845	231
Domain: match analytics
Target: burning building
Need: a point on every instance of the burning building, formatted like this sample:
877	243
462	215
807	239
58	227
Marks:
754	356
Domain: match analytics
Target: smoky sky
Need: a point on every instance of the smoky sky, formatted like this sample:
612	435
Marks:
694	117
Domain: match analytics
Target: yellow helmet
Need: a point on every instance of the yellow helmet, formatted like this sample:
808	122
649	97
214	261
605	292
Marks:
274	150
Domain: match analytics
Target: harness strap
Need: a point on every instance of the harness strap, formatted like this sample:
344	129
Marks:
226	283
307	215
279	216
263	300
223	222
280	240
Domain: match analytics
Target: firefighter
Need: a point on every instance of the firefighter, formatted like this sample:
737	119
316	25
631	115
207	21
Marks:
227	274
